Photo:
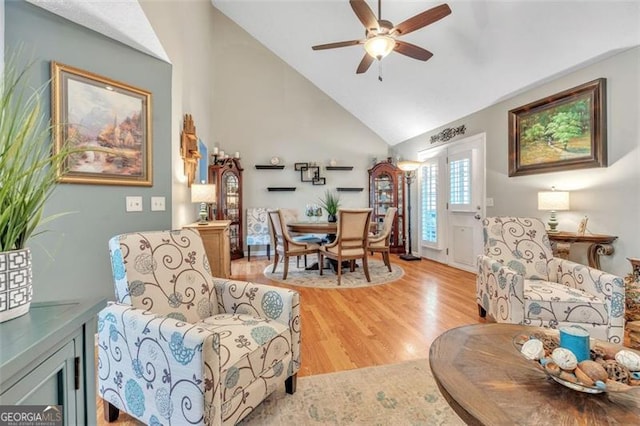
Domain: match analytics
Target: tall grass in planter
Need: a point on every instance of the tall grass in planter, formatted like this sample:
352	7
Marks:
28	173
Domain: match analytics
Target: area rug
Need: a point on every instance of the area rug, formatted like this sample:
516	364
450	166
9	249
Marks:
378	273
398	394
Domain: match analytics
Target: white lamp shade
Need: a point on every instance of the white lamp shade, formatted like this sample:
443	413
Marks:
408	166
379	46
203	193
553	200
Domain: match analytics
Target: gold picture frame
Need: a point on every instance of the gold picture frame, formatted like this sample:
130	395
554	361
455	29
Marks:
90	110
565	131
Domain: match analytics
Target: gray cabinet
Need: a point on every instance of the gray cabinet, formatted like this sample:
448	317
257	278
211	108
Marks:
47	358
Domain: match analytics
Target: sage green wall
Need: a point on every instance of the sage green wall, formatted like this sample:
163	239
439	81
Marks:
244	98
71	260
609	196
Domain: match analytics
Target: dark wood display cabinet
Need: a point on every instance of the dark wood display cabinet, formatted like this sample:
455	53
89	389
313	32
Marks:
386	189
227	176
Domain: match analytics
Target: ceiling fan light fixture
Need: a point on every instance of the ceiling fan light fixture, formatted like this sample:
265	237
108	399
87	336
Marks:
379	46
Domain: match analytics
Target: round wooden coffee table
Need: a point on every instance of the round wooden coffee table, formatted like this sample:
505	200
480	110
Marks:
488	382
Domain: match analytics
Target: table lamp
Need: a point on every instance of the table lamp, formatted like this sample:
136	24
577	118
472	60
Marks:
204	194
553	201
409	168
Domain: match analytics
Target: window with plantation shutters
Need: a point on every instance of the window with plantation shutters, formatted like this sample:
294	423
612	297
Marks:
460	182
429	202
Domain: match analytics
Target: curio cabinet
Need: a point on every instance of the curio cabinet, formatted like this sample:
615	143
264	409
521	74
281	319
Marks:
386	189
227	176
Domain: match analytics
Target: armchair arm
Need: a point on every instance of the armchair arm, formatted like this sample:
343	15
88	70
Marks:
158	369
500	290
278	304
606	287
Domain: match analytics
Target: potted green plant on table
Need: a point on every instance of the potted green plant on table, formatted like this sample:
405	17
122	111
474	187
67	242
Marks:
331	203
28	175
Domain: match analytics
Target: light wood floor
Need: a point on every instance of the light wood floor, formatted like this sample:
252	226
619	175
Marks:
344	329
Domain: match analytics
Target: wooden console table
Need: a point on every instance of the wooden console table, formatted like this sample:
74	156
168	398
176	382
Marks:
215	237
599	245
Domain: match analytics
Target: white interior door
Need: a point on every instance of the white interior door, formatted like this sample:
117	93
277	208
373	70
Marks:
465	209
452	202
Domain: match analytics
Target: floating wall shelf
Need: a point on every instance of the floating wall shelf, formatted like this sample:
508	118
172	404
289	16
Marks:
269	167
339	168
343	189
281	188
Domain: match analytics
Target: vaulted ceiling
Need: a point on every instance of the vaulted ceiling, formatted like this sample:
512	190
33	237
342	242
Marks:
484	52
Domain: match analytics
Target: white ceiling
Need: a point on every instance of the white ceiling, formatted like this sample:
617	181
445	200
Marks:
485	51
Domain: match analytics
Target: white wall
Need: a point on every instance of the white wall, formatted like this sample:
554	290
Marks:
264	108
244	98
184	30
609	196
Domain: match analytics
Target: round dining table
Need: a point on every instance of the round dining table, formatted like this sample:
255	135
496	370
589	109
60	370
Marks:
319	227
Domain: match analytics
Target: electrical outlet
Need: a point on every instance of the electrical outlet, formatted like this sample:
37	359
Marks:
134	204
489	202
157	204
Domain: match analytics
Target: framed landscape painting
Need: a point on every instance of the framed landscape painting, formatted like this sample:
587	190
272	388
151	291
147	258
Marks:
108	120
565	131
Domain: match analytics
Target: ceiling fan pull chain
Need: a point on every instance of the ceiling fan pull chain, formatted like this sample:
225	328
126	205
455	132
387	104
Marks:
379	70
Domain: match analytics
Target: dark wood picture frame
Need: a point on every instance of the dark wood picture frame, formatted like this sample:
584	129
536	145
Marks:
565	131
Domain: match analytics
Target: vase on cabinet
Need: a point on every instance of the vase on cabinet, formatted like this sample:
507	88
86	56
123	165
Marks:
15	283
332	218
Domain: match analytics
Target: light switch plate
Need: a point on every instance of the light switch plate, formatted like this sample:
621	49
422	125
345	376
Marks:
158	204
134	204
489	202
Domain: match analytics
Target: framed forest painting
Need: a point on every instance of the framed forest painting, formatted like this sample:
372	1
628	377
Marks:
109	120
565	131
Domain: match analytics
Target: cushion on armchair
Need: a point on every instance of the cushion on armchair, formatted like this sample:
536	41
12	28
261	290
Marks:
249	347
169	274
522	245
548	301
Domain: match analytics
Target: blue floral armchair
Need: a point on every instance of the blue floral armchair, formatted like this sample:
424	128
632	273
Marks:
180	347
519	281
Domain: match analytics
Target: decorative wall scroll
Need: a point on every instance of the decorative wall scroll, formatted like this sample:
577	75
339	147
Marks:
448	134
189	148
94	112
309	172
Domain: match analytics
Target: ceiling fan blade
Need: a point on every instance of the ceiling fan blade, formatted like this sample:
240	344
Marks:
338	44
412	51
422	19
364	64
364	14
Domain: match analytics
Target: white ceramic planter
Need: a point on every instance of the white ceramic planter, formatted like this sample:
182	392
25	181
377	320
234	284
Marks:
15	283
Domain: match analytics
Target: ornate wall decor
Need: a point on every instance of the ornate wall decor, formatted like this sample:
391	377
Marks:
310	172
448	134
189	148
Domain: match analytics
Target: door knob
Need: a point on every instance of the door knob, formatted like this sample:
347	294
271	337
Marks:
477	216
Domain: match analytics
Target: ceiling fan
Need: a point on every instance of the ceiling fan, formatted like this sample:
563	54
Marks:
382	36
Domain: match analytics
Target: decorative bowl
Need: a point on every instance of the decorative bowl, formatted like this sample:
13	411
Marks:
607	350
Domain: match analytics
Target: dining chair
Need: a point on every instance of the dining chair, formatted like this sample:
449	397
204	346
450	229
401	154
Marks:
284	244
258	230
351	241
379	243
